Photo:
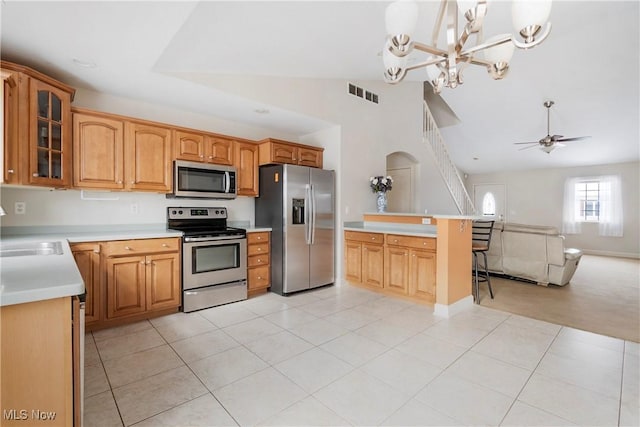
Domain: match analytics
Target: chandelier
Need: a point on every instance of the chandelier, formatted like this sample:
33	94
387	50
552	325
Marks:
444	65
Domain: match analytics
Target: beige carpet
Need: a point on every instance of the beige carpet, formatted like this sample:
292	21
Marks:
602	297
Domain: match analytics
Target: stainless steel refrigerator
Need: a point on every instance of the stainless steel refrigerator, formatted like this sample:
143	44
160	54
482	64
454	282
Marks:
298	202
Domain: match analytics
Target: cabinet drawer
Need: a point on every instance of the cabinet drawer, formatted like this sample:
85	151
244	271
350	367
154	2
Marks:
377	238
258	260
140	246
257	237
428	243
258	277
258	249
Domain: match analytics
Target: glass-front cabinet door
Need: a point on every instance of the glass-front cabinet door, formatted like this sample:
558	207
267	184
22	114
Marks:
50	145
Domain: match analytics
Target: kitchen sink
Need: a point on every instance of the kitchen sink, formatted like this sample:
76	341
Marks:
30	248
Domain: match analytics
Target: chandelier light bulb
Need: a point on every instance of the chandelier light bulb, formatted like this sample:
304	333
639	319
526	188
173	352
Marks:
529	15
499	53
433	72
401	18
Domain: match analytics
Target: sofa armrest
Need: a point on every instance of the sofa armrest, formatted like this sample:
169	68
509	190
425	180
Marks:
555	250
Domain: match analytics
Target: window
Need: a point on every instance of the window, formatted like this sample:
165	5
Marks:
489	204
593	199
588	201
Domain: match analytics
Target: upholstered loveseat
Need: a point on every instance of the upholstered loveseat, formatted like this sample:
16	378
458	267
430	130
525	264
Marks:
532	252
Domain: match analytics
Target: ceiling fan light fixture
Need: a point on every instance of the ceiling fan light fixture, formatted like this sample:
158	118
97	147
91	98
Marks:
548	148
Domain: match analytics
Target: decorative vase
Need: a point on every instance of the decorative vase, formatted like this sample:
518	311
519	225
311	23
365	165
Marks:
381	201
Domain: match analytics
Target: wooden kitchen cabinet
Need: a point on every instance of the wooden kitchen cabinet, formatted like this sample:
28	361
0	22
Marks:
364	258
246	162
141	276
205	148
279	151
87	257
258	262
39	363
98	147
113	152
129	280
410	262
147	150
392	263
37	134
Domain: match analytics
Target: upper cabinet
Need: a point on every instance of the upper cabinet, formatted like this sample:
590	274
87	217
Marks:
98	146
279	151
37	133
112	152
147	150
246	161
202	147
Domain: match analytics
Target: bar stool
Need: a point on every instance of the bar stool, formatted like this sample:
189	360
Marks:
481	239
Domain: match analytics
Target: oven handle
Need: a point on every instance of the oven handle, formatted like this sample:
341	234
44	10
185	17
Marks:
227	181
209	239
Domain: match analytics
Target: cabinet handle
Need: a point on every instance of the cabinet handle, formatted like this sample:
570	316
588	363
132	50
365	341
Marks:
96	251
127	248
259	261
164	245
395	240
142	262
133	182
259	249
149	262
259	237
35	175
10	171
201	156
119	182
210	157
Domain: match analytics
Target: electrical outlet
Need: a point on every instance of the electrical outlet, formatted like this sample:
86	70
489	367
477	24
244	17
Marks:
134	208
20	208
426	220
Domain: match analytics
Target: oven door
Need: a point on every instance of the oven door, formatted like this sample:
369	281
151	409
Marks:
213	262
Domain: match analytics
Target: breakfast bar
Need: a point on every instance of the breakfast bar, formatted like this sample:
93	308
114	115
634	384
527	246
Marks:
425	258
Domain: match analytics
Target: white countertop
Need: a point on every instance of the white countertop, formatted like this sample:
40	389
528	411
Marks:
257	229
392	228
40	277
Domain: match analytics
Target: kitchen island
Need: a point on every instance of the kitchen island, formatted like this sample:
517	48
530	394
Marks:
420	257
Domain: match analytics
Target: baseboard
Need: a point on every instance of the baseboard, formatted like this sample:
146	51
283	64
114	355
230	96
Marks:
610	253
452	309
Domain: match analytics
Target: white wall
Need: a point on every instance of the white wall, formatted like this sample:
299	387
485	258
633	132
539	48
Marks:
536	197
368	131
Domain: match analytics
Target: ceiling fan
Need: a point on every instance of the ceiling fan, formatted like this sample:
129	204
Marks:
550	142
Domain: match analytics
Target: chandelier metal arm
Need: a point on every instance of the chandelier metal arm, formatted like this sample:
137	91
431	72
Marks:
438	26
484	46
430	49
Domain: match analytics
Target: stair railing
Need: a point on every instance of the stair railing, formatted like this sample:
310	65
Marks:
448	171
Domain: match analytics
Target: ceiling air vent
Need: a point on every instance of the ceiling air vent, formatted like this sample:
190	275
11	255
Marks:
361	93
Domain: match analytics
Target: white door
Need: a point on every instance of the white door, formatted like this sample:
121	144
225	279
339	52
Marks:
400	198
490	201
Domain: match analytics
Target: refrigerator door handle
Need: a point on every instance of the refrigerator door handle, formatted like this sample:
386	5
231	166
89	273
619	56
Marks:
313	215
307	214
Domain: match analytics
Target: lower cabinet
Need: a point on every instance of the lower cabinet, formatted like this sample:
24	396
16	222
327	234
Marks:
40	364
395	264
258	262
129	279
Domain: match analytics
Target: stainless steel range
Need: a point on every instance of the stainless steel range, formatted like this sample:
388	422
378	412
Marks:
214	257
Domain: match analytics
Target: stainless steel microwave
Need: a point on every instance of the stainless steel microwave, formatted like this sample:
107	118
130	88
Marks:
202	180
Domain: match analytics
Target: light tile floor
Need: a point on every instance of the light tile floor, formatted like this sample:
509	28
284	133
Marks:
345	356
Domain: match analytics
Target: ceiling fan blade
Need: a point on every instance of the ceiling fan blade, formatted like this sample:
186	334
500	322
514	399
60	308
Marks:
526	148
556	137
532	142
559	144
576	138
